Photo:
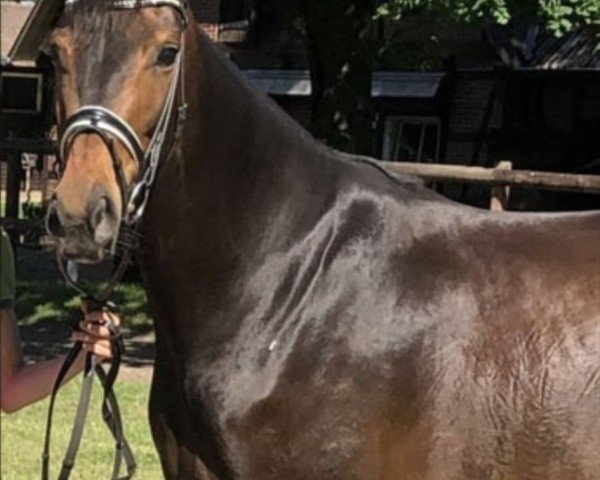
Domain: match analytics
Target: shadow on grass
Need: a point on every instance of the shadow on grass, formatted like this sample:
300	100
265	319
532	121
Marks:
47	309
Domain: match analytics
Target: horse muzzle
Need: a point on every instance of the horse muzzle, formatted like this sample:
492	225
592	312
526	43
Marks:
87	237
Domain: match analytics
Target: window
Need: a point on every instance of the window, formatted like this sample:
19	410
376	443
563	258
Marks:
411	139
21	92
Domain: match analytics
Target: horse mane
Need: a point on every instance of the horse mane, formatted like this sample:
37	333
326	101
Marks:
283	120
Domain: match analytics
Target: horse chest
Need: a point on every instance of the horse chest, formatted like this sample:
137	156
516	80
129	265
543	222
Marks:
277	410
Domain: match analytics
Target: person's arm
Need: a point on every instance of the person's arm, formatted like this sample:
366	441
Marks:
21	384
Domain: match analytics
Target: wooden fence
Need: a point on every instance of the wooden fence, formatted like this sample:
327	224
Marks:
500	178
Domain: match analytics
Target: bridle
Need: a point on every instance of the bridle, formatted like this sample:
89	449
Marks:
112	128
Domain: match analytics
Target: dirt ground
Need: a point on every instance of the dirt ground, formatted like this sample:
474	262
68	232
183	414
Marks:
46	339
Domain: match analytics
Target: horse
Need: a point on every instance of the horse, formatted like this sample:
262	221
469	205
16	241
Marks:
316	317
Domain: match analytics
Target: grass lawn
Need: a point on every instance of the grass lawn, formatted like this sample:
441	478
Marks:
39	301
44	309
22	435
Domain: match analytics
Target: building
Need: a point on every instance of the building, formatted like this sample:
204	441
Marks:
460	95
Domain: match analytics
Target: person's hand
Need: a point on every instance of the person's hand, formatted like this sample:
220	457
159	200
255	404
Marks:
93	333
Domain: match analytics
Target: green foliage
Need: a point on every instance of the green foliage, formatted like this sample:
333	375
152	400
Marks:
33	210
560	16
46	301
346	40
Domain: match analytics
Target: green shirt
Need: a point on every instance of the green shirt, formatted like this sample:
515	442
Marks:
7	271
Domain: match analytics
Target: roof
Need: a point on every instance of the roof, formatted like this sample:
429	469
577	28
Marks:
406	84
574	50
530	46
281	82
12	19
26	24
385	84
35	30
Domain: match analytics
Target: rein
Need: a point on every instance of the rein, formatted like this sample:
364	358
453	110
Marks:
112	128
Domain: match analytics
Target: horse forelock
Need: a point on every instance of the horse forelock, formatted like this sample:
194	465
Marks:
91	17
101	37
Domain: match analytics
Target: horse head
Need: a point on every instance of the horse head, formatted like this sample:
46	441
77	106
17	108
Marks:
117	66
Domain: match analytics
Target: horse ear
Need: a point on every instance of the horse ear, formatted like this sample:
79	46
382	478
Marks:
195	8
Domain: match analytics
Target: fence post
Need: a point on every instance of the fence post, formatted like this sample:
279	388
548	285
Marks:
13	191
13	185
500	193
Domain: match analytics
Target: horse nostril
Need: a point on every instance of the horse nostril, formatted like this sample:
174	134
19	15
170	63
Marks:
54	226
99	213
103	221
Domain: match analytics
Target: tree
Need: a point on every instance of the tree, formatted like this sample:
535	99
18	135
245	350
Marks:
344	42
559	16
341	45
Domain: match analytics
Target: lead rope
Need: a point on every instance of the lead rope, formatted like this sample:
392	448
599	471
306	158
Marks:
110	413
110	407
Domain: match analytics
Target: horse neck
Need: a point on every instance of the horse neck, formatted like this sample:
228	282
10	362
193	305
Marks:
243	163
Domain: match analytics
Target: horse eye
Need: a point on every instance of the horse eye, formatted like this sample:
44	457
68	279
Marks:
167	56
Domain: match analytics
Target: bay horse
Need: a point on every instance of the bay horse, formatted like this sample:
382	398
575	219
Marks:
315	317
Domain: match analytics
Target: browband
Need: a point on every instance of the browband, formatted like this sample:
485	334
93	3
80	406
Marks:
179	5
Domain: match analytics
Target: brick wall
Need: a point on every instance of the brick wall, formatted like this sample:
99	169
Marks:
467	109
468	105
